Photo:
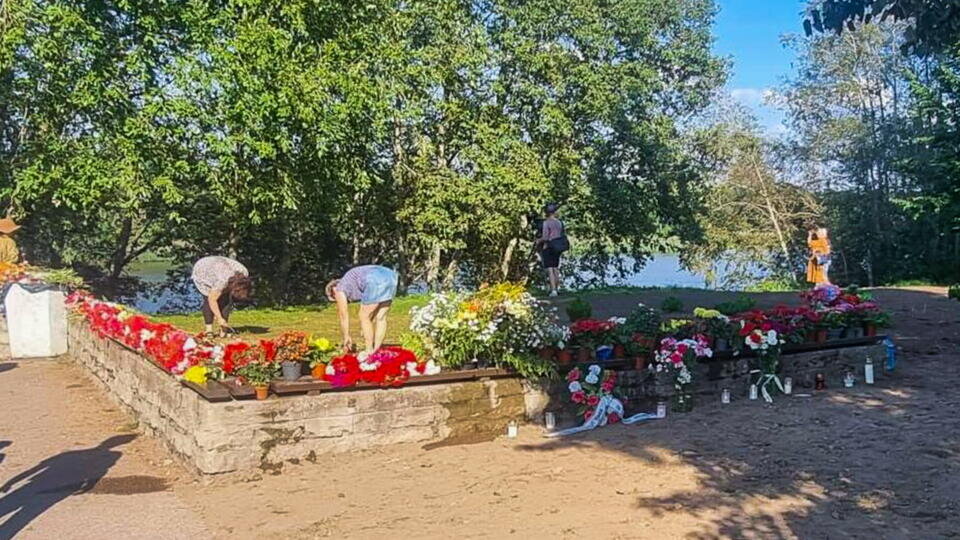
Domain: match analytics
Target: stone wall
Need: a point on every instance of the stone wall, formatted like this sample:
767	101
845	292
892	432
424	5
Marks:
242	435
641	389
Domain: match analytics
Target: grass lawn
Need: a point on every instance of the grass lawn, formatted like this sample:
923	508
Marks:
319	320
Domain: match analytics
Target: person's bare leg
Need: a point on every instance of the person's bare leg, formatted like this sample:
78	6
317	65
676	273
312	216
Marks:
367	313
380	324
554	279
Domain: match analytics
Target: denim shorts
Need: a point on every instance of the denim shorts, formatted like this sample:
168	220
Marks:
380	286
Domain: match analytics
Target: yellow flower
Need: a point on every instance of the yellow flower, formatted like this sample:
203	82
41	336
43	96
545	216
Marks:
704	313
322	344
196	374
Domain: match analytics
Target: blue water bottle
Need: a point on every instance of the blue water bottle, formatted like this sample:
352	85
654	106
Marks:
891	354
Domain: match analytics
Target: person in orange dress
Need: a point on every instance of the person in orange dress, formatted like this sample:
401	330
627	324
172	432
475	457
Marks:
818	266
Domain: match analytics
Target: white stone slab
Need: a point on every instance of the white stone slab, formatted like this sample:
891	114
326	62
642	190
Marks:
36	322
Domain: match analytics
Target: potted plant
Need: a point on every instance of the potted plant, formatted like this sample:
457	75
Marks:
579	309
292	349
319	355
587	334
674	360
256	365
716	326
835	323
874	318
643	327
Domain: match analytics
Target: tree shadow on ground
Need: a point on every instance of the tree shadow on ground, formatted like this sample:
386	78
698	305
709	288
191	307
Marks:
251	329
871	462
3	444
7	366
53	480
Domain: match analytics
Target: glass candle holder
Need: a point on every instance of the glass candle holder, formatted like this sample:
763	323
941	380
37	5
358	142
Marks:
753	392
788	386
513	429
662	409
725	396
550	421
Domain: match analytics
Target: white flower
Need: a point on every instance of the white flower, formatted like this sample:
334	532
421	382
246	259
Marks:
575	387
432	368
189	344
772	337
592	378
595	369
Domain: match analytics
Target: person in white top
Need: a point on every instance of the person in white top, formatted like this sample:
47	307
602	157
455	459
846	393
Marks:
222	282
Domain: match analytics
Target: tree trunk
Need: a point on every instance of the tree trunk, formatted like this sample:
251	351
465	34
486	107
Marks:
119	259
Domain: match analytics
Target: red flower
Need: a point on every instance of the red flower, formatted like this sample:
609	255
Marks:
607	386
346	371
234	356
578	397
573	375
588	414
593	400
613	418
269	350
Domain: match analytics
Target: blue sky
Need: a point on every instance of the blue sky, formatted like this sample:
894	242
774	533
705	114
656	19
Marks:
748	31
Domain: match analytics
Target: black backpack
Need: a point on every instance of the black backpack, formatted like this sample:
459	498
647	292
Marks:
561	243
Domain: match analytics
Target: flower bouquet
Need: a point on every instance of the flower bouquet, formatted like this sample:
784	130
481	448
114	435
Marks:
766	341
588	388
676	358
292	349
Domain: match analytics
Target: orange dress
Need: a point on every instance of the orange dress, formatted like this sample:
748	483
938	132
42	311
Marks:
816	272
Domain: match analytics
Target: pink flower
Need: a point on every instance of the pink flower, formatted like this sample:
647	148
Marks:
578	397
682	348
613	418
607	387
588	414
574	375
593	400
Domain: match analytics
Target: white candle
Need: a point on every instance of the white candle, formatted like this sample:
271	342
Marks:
725	396
661	410
512	429
868	371
549	421
753	391
788	386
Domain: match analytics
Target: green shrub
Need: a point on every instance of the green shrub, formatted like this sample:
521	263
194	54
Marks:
954	292
643	320
741	304
579	309
774	284
671	304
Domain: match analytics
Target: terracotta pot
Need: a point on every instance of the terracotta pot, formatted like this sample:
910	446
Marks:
870	330
262	392
821	335
564	357
318	371
584	354
547	353
619	351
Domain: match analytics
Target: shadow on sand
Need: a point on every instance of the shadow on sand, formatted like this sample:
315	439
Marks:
53	480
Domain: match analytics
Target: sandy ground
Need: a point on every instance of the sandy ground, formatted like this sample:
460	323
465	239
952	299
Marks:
871	462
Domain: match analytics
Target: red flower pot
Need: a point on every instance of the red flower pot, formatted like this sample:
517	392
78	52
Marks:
564	357
584	354
318	371
619	351
547	353
870	330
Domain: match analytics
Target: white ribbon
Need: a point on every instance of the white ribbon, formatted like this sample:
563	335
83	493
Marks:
608	404
764	380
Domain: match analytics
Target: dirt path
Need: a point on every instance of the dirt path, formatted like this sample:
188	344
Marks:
88	474
877	462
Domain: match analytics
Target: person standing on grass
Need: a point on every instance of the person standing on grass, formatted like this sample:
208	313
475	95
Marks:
9	253
818	265
551	245
222	282
375	288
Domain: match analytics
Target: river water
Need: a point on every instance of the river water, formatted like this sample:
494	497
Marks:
161	294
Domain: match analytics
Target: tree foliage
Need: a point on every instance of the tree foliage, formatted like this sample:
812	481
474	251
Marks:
303	137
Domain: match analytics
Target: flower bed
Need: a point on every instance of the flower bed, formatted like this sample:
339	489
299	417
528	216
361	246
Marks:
196	360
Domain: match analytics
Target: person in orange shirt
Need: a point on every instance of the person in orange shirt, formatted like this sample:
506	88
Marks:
818	266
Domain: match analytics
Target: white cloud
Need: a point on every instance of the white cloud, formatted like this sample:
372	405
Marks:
751	97
756	100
